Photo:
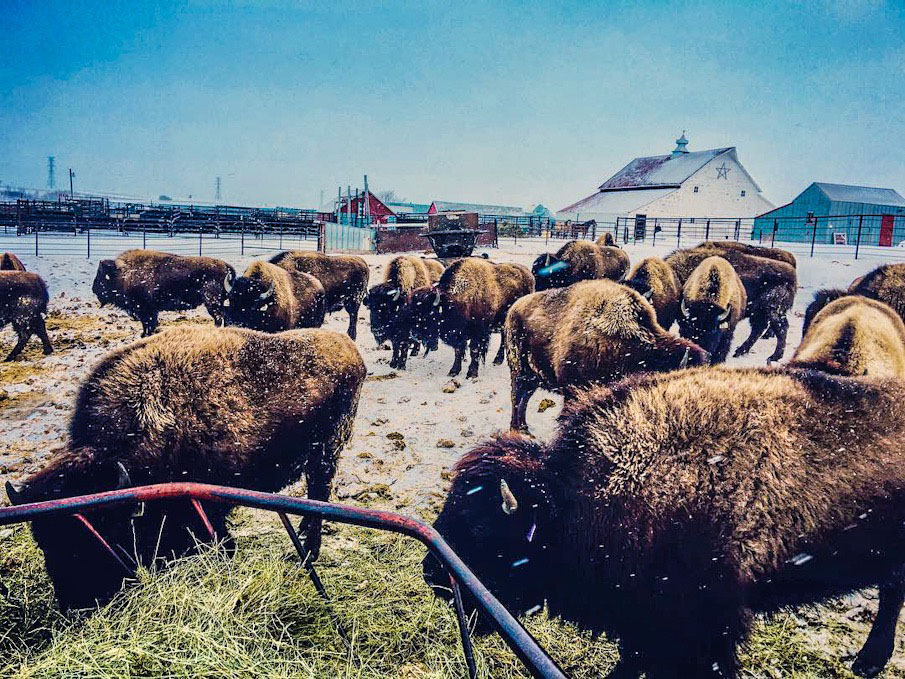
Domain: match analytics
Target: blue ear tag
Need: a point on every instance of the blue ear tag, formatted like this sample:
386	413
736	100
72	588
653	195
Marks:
553	268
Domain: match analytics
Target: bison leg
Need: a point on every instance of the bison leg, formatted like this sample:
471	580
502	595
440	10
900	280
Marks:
781	328
352	306
415	348
148	322
24	333
722	348
41	331
457	362
523	389
319	473
403	354
478	350
501	352
394	361
758	325
880	642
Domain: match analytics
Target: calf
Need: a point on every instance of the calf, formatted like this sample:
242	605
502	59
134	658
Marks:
224	406
146	282
669	509
272	299
23	305
590	332
344	277
713	301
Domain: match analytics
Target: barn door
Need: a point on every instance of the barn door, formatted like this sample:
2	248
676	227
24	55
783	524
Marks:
886	224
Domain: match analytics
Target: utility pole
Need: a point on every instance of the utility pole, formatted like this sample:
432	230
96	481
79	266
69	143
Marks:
367	205
51	180
71	175
217	195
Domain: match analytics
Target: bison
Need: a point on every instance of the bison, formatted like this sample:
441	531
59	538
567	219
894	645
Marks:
9	262
854	336
146	282
606	240
886	284
269	298
579	260
590	332
23	305
670	508
225	406
713	301
770	285
757	250
657	283
468	303
344	277
389	303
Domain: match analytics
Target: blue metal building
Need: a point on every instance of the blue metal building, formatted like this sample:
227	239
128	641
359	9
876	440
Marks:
834	213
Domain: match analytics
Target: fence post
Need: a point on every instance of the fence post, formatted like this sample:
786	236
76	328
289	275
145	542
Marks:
679	234
738	228
814	236
281	237
242	241
775	229
858	242
200	238
144	237
36	241
707	230
88	231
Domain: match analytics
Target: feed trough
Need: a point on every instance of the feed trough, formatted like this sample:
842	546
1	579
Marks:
453	235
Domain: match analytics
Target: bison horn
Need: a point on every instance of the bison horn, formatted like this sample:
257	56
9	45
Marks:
723	316
510	504
122	478
394	293
547	260
647	295
14	494
684	362
268	293
684	309
228	281
436	297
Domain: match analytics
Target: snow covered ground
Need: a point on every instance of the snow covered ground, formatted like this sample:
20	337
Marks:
437	427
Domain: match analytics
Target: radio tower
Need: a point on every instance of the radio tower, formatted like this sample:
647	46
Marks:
217	184
51	181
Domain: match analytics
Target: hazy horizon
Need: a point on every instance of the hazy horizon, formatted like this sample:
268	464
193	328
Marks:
512	103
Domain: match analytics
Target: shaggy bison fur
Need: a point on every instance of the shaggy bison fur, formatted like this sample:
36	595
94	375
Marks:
389	303
344	277
23	305
657	283
854	336
713	301
269	298
579	260
224	406
469	302
9	262
671	508
590	332
145	282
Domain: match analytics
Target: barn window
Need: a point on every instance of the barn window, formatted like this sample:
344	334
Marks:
743	194
695	189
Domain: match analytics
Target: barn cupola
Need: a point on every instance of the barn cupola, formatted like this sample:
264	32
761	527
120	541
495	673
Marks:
681	146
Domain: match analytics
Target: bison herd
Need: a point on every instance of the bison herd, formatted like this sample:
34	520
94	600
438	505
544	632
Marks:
678	498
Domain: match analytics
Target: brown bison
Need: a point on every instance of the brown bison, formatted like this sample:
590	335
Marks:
389	303
657	283
854	336
770	285
590	332
886	284
269	298
606	240
469	302
671	508
344	277
225	406
579	260
757	250
146	282
23	305
9	262
713	301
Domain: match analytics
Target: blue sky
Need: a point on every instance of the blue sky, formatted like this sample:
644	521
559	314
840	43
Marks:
503	102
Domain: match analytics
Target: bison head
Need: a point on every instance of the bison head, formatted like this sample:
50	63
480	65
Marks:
550	272
386	303
105	286
426	313
82	571
499	518
706	324
248	302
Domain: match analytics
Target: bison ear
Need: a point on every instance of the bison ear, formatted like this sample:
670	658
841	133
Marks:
14	494
510	504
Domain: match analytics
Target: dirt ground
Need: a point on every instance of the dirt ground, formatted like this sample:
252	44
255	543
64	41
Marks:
408	432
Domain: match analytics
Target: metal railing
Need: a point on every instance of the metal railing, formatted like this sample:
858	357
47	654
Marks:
511	630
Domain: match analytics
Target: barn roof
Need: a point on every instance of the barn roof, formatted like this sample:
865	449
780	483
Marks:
449	206
618	202
661	171
845	193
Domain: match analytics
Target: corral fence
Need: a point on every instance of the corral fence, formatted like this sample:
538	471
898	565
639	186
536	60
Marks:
513	633
878	235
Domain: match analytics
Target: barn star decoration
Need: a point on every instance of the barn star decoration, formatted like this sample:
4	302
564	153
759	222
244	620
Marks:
722	171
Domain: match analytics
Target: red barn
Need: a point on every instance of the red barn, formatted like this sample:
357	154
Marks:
380	213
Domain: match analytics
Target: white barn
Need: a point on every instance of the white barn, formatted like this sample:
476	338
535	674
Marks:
685	183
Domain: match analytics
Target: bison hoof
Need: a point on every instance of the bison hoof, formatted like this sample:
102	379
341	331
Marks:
498	361
867	668
739	352
48	352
